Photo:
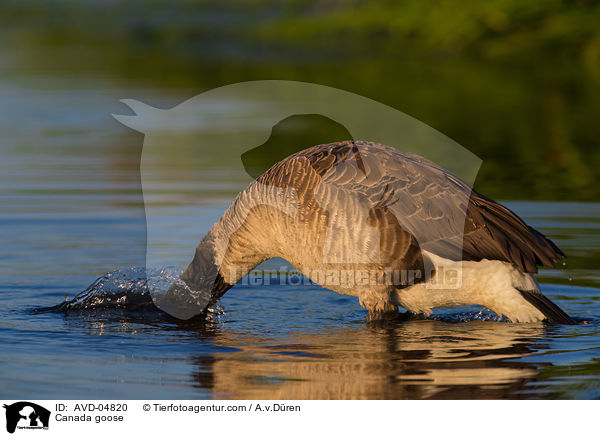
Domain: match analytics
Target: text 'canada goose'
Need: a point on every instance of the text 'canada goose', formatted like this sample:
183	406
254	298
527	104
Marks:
391	228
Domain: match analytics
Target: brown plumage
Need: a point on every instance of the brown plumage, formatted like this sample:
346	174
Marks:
433	199
355	205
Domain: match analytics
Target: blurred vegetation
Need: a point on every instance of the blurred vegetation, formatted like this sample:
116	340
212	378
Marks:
516	82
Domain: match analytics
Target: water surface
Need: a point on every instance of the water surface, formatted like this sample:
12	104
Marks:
72	209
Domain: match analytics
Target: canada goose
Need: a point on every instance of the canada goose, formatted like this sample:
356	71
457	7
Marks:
391	228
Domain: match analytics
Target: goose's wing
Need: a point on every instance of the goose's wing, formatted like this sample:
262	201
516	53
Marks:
438	209
328	206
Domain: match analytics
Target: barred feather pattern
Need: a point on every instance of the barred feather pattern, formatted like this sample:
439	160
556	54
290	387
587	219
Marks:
361	204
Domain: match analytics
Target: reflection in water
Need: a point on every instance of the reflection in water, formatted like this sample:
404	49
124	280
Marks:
421	359
274	343
302	342
416	359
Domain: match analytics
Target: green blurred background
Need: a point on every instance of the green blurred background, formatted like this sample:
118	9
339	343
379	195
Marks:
516	82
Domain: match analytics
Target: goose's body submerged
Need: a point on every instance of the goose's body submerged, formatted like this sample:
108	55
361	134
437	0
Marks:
388	227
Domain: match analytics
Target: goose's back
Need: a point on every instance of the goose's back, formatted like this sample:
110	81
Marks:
357	202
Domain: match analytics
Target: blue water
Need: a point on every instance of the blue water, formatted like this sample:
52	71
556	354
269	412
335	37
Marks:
71	210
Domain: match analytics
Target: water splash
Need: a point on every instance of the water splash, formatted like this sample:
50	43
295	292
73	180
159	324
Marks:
462	316
139	289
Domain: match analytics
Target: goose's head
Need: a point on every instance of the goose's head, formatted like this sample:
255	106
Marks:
198	287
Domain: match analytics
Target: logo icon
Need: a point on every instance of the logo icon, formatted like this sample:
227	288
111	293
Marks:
26	415
246	128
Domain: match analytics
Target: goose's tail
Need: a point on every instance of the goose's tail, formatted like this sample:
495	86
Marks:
553	313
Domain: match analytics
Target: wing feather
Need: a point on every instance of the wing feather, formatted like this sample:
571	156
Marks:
442	212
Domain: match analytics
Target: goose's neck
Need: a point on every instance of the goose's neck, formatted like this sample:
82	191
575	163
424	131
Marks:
204	268
222	259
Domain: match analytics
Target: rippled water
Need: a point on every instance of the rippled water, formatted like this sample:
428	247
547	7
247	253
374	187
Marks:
71	211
